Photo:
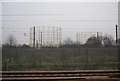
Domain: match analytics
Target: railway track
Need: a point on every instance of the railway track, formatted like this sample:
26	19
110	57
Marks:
61	75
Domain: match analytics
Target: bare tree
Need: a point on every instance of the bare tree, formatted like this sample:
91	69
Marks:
118	41
68	41
11	41
108	40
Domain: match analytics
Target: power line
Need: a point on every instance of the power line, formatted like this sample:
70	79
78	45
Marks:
64	20
38	14
29	14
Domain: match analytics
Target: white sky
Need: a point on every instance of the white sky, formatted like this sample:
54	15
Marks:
72	17
0	24
60	0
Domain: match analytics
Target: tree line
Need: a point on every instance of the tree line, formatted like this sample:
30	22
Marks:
100	41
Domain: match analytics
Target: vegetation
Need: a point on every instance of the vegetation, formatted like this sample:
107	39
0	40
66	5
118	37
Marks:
96	53
60	58
11	41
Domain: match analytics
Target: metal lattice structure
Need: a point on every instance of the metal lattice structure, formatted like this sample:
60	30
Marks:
42	36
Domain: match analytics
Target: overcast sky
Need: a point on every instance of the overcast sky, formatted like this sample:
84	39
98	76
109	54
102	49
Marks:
72	17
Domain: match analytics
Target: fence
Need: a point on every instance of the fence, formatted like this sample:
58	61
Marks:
60	58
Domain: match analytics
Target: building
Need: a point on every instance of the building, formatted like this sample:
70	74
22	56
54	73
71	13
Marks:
81	37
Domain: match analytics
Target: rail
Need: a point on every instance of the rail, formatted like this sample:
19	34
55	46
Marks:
60	75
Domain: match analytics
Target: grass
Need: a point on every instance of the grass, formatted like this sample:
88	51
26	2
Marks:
60	58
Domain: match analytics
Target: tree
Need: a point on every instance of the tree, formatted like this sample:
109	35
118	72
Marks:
94	41
68	41
108	40
11	41
118	41
24	46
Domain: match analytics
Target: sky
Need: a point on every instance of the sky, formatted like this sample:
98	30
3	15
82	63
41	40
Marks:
72	17
0	24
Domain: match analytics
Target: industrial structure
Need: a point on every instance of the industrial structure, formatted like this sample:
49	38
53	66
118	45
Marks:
45	36
81	37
